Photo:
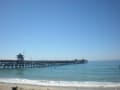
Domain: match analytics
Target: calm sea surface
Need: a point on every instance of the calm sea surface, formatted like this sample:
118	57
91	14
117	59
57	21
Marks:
93	71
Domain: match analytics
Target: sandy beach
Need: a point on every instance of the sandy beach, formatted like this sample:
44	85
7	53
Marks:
7	86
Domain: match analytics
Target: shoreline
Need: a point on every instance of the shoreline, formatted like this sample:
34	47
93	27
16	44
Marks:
9	86
22	81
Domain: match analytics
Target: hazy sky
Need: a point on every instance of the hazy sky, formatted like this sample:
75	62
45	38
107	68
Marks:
60	29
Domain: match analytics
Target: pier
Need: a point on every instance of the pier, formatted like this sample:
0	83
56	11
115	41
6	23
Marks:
21	63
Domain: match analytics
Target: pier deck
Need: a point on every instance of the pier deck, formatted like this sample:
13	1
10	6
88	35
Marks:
13	64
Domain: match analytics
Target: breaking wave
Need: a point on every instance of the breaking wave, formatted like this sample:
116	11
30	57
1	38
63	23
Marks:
60	83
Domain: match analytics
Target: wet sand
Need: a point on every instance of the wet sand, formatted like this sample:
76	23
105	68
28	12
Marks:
7	86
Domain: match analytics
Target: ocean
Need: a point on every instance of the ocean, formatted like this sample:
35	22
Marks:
93	73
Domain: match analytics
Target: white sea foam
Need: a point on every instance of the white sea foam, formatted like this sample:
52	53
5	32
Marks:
60	83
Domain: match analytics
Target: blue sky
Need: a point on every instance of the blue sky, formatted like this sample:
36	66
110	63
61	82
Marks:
60	29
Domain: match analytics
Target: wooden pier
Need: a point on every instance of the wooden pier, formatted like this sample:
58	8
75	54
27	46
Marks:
21	63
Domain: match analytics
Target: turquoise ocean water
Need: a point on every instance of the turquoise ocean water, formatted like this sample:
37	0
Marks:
93	73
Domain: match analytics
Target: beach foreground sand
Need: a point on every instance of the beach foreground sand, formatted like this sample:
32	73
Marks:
7	86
